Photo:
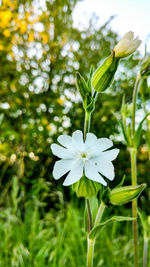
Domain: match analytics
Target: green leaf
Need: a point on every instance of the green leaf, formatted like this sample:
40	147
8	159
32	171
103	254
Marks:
81	85
121	183
97	229
138	132
89	83
1	117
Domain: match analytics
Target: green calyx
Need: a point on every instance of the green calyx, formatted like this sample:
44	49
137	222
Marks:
86	188
125	194
103	76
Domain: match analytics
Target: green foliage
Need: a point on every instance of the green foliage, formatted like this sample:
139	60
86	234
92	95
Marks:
98	228
40	52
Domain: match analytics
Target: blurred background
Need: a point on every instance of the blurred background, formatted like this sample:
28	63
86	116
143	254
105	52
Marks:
42	46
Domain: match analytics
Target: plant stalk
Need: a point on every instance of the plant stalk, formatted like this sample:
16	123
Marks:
100	213
90	254
134	98
145	251
91	242
133	152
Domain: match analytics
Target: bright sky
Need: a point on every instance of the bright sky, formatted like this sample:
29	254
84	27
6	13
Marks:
132	15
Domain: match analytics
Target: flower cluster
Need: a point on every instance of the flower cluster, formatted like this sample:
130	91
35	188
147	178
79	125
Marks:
89	158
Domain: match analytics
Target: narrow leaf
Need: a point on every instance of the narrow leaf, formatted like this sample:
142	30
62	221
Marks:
96	230
138	131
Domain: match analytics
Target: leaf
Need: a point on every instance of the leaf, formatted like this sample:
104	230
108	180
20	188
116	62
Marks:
1	117
121	183
126	139
89	83
81	85
138	132
96	230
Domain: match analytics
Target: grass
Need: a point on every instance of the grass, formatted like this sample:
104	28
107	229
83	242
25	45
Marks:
31	237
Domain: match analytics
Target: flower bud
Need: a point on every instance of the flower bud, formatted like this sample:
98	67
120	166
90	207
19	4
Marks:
103	76
125	194
86	188
145	67
127	45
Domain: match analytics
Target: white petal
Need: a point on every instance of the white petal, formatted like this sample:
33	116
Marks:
92	173
91	140
61	167
106	168
109	155
66	141
105	143
61	152
75	174
77	139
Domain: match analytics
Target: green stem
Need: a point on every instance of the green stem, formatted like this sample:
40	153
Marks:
100	213
133	152
87	122
89	214
134	98
91	244
145	251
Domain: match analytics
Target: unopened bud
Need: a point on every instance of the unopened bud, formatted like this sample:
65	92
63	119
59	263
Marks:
145	67
103	76
125	194
127	45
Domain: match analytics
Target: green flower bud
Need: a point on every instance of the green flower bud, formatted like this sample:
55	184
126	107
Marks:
145	67
86	188
103	76
125	194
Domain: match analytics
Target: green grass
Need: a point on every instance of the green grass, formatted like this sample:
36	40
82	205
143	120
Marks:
33	237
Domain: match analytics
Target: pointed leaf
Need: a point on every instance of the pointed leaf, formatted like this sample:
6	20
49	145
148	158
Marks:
96	230
138	132
81	85
89	83
121	183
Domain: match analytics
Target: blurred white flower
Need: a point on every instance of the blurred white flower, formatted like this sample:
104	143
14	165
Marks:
127	45
79	157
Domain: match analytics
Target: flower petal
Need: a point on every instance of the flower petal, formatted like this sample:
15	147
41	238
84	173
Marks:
61	167
91	140
61	152
105	143
106	168
91	172
75	174
109	155
66	141
77	139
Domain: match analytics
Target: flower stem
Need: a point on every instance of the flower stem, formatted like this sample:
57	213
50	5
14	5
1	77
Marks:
91	244
89	214
100	213
133	152
87	122
145	251
134	98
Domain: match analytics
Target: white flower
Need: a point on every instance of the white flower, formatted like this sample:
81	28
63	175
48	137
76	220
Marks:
79	157
127	45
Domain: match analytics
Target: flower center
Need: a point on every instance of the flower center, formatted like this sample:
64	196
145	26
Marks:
84	157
